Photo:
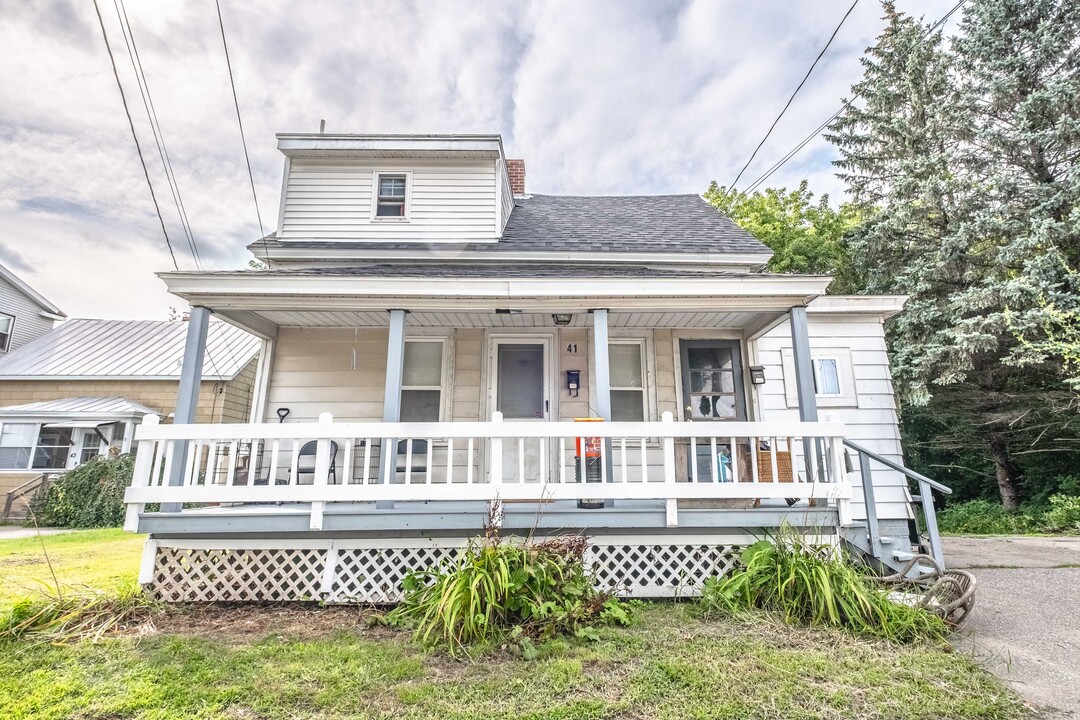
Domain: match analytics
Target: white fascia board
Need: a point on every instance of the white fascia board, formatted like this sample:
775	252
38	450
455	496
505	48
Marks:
425	251
291	143
260	291
884	305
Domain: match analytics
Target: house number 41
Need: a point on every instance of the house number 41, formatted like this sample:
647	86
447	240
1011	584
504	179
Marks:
571	349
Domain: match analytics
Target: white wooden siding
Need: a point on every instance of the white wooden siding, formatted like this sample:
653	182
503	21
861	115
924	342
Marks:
29	323
449	200
873	422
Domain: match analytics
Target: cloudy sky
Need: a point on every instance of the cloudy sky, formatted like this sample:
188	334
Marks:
619	97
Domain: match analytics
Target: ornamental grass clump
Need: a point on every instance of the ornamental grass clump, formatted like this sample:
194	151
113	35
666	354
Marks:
66	614
811	584
501	591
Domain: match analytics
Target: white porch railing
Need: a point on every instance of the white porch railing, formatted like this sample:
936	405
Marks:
326	462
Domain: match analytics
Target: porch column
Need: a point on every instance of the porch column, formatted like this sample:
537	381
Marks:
395	367
187	395
602	383
804	378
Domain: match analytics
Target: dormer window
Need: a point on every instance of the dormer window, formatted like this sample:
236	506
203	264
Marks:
392	195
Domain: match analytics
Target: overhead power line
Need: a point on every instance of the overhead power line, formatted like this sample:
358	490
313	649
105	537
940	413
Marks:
155	127
797	89
240	122
806	141
134	135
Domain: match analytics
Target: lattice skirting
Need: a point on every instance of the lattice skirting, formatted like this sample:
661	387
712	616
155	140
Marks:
359	571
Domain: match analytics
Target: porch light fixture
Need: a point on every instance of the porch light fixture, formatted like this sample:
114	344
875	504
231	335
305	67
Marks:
757	374
562	319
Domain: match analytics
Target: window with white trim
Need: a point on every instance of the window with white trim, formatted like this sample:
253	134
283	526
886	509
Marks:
391	196
423	379
834	379
7	326
626	363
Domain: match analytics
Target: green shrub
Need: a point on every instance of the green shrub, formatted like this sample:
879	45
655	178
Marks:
1063	515
815	585
499	590
90	496
982	517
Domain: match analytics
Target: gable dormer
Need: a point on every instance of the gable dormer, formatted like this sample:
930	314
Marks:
390	188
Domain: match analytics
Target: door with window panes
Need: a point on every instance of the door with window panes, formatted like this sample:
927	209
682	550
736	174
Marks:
712	391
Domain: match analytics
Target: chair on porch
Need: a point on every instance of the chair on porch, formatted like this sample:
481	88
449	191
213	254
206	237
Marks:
305	462
419	453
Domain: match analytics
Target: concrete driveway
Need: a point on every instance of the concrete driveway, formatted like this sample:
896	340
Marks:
1026	623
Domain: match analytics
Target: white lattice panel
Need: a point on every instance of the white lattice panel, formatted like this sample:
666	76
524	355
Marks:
373	574
237	575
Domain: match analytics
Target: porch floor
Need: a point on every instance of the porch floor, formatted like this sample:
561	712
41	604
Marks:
448	517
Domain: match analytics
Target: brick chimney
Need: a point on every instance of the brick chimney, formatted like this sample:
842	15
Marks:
516	170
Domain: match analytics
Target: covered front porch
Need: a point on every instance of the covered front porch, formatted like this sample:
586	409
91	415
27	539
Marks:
393	414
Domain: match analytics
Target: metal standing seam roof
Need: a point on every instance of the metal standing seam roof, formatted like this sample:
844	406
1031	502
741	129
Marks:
668	224
127	349
76	406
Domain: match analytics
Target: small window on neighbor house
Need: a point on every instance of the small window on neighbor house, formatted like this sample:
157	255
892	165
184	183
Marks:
7	324
826	376
422	381
16	444
391	199
627	366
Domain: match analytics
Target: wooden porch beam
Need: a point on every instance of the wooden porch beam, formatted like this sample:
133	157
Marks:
187	395
395	369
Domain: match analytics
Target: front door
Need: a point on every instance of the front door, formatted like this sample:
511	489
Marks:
522	392
712	390
87	446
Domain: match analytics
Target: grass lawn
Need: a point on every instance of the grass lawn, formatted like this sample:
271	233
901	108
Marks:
306	662
100	558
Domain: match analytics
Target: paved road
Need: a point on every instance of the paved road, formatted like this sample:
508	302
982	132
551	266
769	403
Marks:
14	532
1026	624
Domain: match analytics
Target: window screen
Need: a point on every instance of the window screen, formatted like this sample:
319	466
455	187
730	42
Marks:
626	361
391	200
421	386
16	443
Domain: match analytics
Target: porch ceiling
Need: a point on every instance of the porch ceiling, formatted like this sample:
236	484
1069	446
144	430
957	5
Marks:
643	319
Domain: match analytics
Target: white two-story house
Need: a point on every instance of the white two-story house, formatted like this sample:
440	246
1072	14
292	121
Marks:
433	338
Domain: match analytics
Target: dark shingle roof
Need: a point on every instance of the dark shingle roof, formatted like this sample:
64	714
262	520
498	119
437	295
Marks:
623	224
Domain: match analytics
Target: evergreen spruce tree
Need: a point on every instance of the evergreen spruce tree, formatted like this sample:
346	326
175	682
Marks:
963	159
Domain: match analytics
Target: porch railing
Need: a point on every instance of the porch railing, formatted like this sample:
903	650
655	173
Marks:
384	463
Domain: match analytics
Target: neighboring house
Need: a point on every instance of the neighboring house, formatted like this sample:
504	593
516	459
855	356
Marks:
80	390
430	333
24	314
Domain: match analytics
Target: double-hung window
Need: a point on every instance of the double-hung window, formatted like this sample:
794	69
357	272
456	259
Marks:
7	326
392	195
17	442
422	380
626	360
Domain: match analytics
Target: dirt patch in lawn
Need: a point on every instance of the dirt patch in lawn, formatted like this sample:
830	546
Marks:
245	623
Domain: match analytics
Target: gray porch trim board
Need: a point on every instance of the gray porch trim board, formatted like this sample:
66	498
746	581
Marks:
395	368
407	519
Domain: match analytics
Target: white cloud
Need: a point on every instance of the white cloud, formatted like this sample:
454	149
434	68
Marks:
599	97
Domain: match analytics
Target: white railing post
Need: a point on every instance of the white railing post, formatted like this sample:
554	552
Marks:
495	457
672	509
322	472
140	476
843	502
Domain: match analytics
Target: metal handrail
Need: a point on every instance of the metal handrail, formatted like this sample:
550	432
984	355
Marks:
900	468
926	498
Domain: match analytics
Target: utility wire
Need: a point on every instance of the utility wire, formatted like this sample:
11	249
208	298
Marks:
797	89
155	127
805	141
243	140
134	135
